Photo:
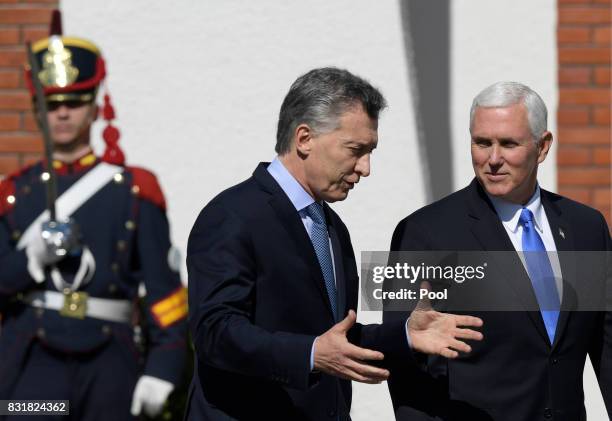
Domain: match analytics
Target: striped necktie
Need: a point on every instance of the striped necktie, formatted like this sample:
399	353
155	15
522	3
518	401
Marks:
320	241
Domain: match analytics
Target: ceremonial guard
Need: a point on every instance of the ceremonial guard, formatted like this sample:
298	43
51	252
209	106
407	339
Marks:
83	239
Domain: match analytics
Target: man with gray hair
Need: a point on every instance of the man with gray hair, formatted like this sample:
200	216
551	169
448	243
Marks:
530	364
273	284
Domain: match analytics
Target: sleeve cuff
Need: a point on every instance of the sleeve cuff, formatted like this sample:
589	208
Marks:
408	334
312	351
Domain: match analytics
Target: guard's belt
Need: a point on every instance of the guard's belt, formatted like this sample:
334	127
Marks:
119	311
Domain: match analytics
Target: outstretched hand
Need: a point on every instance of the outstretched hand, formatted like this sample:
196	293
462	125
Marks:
432	332
335	355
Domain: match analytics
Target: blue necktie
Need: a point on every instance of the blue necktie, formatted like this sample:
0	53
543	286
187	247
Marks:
541	273
320	242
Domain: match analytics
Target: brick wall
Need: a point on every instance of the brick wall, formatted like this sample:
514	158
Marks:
20	21
583	158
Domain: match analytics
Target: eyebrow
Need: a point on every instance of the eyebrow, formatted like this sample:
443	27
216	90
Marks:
503	139
365	146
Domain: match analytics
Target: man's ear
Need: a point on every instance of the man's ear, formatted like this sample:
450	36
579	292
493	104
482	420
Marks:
544	145
303	136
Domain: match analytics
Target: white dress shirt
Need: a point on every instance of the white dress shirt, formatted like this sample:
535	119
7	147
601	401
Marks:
509	214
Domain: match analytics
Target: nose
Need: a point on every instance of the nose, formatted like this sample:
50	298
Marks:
62	111
59	110
495	158
363	165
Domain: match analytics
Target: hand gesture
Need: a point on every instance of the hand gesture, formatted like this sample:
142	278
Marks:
436	333
335	355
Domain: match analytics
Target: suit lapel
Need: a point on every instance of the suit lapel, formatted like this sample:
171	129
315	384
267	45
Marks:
564	242
489	231
290	219
338	264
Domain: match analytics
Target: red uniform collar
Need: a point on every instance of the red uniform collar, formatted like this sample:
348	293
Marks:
80	165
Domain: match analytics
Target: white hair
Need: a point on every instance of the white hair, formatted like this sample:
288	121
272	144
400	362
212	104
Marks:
504	94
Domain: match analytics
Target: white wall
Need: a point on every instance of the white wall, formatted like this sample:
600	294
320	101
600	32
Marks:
197	86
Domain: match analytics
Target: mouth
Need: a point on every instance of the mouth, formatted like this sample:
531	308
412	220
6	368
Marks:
495	176
63	129
349	185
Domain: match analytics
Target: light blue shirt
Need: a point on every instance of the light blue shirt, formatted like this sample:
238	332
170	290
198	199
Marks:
296	193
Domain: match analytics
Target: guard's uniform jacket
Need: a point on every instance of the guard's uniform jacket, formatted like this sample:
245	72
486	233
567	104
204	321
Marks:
125	227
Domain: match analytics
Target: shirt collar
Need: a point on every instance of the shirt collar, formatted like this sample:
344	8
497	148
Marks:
296	193
509	212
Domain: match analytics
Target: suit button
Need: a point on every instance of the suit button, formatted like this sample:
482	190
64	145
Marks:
40	332
331	412
555	360
548	413
39	312
106	329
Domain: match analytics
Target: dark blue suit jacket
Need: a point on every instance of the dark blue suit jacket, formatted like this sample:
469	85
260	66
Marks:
257	300
514	373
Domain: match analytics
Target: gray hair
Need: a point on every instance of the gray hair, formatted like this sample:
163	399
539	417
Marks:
504	94
318	99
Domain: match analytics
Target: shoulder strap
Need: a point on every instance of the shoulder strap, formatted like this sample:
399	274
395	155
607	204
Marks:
73	198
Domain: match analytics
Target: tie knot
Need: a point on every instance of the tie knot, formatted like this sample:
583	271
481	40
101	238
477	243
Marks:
526	218
315	211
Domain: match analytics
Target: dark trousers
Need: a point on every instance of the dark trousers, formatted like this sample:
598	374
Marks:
99	385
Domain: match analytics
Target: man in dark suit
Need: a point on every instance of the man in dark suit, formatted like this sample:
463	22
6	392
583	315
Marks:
530	364
273	283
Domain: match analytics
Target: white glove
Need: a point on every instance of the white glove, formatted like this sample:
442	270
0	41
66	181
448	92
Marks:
39	255
150	394
52	242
